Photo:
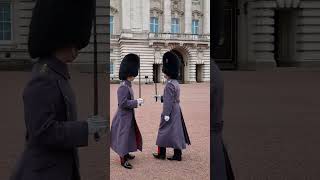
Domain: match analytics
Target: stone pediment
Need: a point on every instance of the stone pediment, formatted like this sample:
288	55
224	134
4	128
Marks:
113	10
177	12
176	8
156	10
197	13
288	3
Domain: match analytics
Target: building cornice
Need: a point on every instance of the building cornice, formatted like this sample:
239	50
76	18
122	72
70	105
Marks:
288	3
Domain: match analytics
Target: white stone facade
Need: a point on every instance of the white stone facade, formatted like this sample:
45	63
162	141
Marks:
13	52
131	34
257	29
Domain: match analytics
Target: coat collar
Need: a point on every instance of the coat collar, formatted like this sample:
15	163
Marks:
58	66
126	82
171	80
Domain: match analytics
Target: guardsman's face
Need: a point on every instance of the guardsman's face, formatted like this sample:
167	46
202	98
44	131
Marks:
75	53
131	78
67	55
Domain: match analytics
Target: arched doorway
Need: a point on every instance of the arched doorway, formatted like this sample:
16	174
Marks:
181	77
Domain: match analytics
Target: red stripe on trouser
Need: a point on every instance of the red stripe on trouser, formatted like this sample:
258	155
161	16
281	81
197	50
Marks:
122	159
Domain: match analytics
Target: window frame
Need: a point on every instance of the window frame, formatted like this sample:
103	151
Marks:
175	28
195	27
111	68
111	24
11	21
154	23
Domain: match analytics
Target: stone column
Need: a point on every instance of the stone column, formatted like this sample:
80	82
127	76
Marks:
167	16
125	15
146	15
136	15
187	16
206	17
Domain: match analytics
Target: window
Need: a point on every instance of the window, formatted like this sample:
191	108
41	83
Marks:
111	24
175	27
154	25
195	26
111	68
5	21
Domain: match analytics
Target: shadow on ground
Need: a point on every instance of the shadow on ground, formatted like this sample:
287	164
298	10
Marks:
272	124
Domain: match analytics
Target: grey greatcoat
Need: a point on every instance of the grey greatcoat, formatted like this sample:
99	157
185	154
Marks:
220	163
52	130
125	134
172	133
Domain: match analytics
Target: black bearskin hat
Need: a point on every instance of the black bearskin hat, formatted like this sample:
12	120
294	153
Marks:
59	24
170	65
129	66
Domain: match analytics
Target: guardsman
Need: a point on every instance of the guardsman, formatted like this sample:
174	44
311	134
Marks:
125	134
172	130
220	163
58	30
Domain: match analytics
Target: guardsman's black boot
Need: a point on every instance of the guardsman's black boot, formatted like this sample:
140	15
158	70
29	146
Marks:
129	156
177	155
161	153
125	163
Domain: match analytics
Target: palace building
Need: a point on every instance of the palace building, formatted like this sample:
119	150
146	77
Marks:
258	33
270	34
149	28
15	16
